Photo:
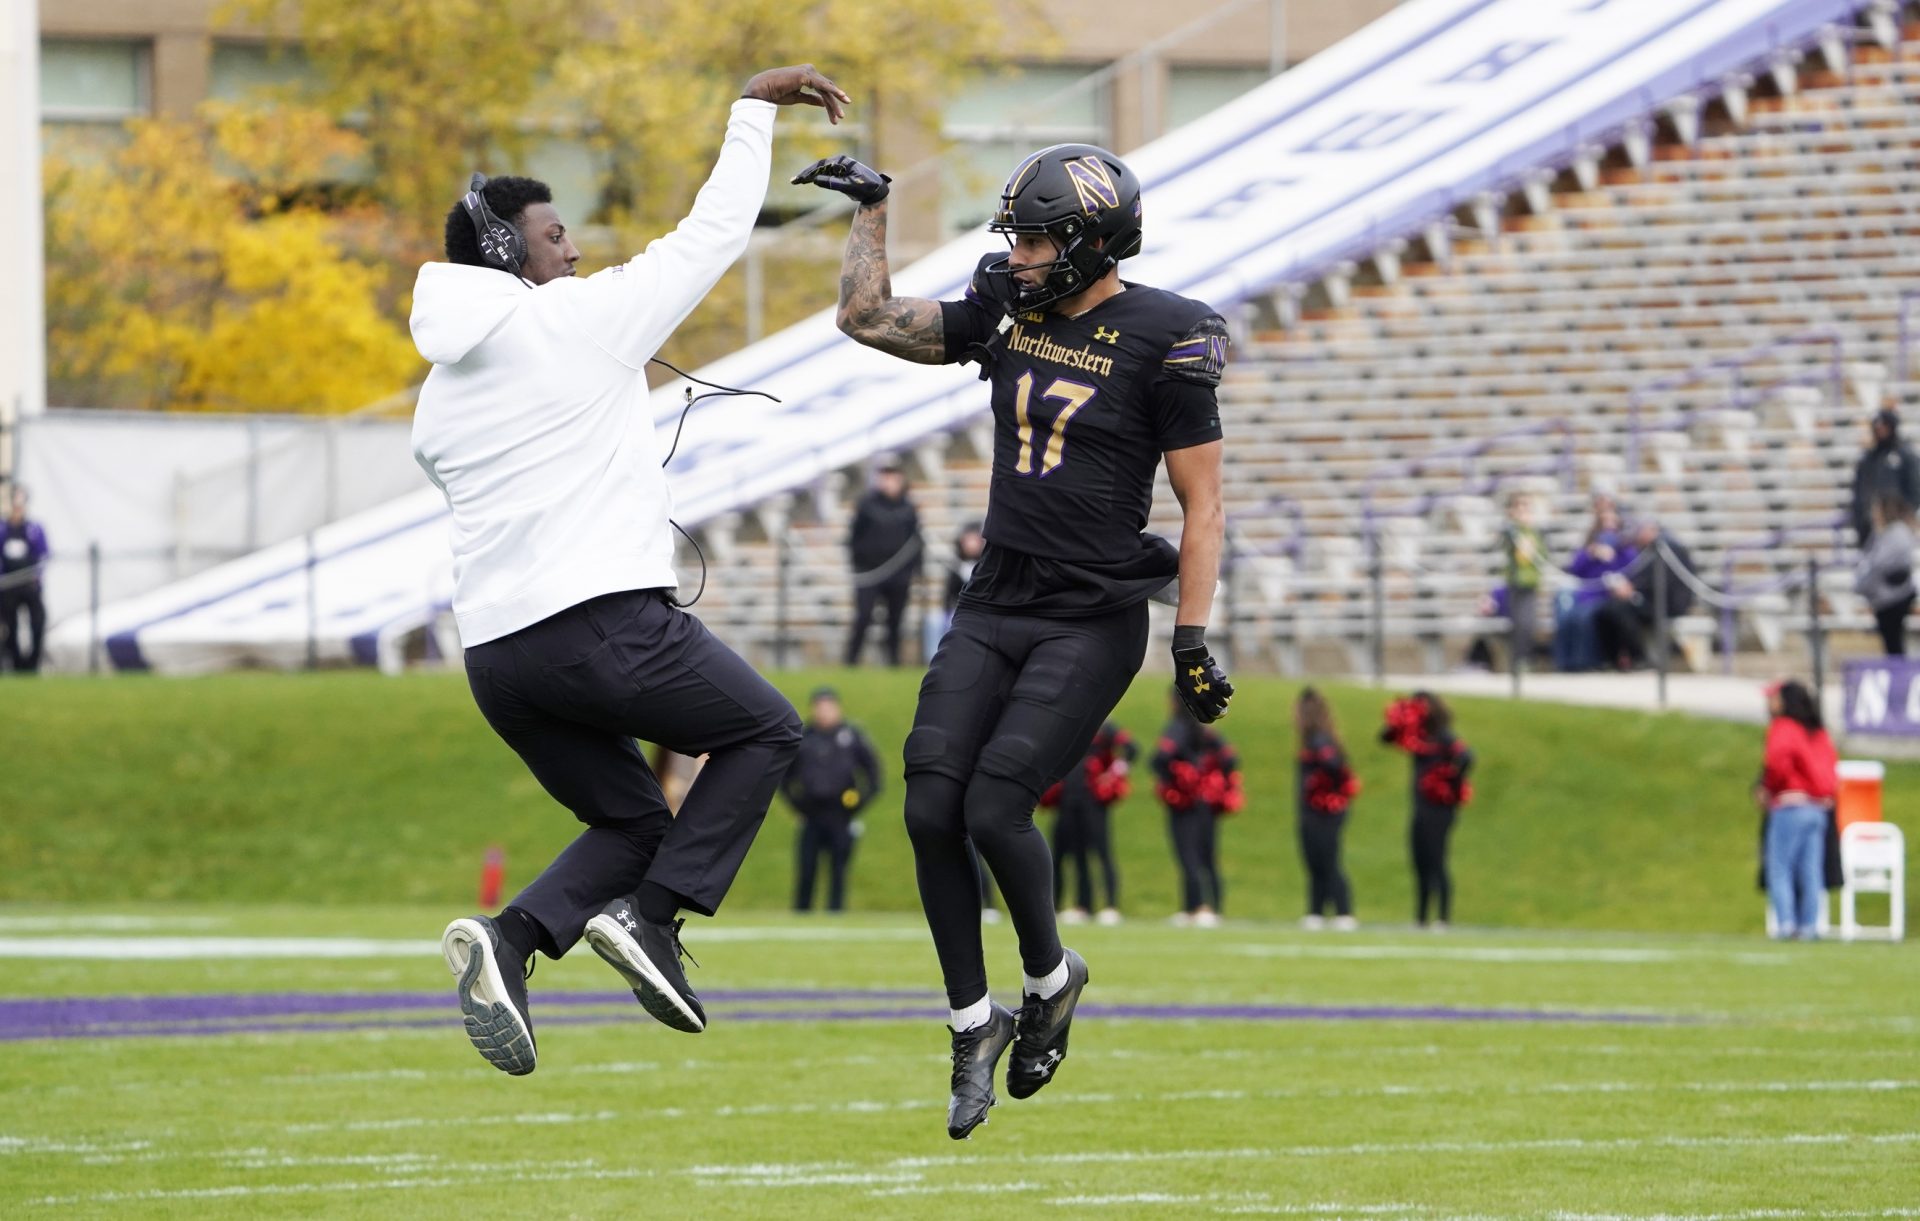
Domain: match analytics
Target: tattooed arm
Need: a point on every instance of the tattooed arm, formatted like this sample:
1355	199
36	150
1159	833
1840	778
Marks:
911	328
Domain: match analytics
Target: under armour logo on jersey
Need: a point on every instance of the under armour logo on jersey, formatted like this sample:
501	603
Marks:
1103	335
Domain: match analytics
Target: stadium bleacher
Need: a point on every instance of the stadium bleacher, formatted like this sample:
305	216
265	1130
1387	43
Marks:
1801	219
1540	327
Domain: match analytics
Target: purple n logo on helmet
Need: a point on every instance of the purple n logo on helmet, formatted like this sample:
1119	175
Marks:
1095	184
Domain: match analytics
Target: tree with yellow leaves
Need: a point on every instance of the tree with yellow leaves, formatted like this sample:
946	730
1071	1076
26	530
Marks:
184	273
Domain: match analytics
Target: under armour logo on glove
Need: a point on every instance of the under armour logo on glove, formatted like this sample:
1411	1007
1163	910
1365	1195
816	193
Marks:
847	176
1202	684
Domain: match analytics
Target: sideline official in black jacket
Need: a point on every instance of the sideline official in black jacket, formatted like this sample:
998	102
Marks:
1887	466
834	777
884	544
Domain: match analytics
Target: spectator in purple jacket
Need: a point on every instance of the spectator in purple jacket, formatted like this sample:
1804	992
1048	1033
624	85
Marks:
1575	640
23	556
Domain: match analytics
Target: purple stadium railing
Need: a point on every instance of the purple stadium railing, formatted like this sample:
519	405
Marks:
1740	395
1736	598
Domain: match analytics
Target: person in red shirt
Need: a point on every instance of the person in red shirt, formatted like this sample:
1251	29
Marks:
1797	782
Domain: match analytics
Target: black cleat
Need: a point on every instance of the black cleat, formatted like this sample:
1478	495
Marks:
493	994
648	958
1043	1032
976	1057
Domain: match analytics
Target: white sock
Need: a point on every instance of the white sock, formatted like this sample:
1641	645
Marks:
976	1014
1046	985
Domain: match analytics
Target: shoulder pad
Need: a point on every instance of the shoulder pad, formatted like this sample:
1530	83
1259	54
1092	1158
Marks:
1199	355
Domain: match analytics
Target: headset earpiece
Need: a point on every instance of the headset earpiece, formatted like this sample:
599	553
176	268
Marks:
501	245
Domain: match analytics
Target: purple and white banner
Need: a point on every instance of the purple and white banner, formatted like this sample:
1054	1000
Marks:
1883	697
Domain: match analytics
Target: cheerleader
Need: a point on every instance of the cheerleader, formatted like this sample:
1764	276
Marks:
1422	726
1084	799
1198	778
1326	790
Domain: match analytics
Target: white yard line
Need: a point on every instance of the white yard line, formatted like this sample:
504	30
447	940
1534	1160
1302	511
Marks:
1601	955
880	1106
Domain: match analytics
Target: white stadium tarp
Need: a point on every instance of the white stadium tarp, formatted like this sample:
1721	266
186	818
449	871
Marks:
1426	109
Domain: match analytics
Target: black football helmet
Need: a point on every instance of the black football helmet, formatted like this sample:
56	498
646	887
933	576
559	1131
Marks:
1087	201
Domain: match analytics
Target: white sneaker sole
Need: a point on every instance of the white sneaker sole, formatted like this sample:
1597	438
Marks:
495	1027
621	952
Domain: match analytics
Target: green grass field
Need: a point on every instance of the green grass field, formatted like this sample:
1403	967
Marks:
351	788
1680	1077
220	902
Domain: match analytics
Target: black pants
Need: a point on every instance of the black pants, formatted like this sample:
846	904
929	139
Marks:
894	592
571	693
1009	703
824	832
1080	835
1892	622
1621	633
1320	847
1196	849
23	648
1432	828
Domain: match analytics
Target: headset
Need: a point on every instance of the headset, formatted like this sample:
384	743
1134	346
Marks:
503	247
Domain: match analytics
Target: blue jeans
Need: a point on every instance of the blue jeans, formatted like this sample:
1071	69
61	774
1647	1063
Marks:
1796	859
1576	642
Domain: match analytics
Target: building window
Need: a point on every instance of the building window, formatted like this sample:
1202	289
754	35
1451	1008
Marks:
1195	92
247	71
83	81
997	121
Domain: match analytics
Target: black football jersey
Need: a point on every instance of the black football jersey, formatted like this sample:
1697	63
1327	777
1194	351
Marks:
1083	408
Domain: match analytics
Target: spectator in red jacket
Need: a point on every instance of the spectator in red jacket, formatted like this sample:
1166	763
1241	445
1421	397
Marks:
1422	726
1797	781
1198	777
1327	787
1084	799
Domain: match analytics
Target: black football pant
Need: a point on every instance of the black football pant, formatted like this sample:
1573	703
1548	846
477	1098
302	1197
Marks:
571	693
1196	848
1432	829
824	832
1079	833
1892	622
1008	704
1320	848
894	592
23	642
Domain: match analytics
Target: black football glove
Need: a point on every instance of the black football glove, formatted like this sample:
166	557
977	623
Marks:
847	176
1202	684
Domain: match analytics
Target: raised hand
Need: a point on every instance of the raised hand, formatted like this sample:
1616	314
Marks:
843	174
799	85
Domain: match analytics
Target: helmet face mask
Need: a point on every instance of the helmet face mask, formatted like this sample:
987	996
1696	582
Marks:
1087	202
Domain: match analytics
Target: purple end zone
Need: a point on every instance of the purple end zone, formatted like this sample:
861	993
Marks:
309	1012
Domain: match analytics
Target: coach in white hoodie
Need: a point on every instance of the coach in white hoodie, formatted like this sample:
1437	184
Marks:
535	423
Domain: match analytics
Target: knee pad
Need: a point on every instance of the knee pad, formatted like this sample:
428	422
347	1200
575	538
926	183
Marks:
1015	758
933	807
926	751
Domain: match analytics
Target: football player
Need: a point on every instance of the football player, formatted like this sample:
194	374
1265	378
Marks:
1094	379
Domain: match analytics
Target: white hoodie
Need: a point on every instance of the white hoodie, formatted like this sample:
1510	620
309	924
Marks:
535	419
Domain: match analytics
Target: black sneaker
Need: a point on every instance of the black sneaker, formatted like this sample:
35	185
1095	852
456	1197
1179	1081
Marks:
976	1057
1043	1032
493	994
648	958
